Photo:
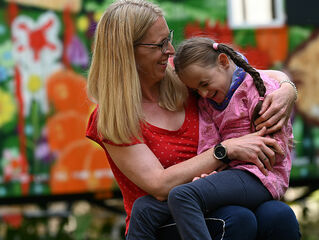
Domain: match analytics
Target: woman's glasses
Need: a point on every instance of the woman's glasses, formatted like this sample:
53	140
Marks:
163	46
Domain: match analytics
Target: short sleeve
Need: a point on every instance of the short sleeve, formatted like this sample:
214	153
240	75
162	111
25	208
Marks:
93	134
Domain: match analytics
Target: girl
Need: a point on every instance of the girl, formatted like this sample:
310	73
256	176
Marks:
230	102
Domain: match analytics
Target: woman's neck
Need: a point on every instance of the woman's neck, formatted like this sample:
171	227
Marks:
150	93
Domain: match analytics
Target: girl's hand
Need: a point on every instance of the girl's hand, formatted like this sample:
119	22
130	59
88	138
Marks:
254	148
276	109
203	175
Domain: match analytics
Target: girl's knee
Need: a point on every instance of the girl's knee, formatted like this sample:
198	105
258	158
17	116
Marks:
178	195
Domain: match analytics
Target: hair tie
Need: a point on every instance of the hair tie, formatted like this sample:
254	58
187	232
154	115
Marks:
215	46
261	99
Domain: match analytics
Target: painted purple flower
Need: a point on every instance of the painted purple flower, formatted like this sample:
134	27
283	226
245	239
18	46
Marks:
43	152
77	53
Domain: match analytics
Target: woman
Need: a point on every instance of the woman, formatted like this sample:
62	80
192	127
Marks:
148	124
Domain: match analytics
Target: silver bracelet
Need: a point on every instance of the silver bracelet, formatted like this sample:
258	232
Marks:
292	84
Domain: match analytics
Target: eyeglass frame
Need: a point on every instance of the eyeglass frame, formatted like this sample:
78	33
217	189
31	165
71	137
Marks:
160	45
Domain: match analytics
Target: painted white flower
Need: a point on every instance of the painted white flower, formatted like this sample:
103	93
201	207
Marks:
37	51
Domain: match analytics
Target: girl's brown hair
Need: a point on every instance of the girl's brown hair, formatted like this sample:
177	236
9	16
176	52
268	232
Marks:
200	50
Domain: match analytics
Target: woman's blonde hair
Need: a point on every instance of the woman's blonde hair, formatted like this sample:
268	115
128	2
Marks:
113	80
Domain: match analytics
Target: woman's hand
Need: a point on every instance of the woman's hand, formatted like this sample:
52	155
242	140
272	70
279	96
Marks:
254	148
277	106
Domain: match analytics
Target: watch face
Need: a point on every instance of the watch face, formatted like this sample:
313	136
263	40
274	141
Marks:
220	152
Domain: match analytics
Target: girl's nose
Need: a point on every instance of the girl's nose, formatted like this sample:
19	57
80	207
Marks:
203	92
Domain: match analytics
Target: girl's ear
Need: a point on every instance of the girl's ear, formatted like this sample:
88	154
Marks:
223	60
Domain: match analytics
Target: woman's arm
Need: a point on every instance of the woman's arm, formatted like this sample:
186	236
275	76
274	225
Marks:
278	105
141	166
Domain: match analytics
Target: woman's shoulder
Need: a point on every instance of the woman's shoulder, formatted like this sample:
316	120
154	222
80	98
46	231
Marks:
191	106
91	130
93	134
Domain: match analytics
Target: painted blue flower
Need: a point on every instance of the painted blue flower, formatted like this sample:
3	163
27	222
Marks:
2	29
3	74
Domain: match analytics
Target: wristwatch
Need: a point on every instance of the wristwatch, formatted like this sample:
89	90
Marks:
220	153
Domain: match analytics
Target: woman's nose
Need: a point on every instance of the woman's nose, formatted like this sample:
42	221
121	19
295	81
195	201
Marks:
170	49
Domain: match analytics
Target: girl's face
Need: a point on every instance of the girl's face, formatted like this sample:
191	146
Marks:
209	82
150	60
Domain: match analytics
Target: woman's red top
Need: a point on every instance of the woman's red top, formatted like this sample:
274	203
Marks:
170	147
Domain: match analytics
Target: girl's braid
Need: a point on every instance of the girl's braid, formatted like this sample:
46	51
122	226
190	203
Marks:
240	62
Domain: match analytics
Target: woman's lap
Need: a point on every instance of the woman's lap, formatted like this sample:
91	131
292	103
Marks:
275	220
272	220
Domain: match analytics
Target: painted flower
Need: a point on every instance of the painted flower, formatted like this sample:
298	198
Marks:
7	107
37	50
34	83
11	163
42	150
37	40
66	91
82	23
6	60
77	53
2	29
3	74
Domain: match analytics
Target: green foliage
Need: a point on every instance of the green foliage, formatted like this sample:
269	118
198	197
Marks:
245	37
297	35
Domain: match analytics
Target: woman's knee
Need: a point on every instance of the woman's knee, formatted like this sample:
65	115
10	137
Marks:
278	219
275	212
238	222
142	205
240	215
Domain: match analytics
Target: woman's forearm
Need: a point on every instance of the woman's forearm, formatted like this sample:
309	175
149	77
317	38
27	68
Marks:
285	82
142	167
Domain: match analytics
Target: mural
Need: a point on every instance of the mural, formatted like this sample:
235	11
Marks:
44	58
43	105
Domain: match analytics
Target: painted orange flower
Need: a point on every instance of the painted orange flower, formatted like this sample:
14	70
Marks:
67	91
81	167
65	128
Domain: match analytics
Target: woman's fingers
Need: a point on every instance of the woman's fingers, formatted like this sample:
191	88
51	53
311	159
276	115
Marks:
271	117
261	166
264	107
266	161
275	111
276	127
254	148
273	145
261	132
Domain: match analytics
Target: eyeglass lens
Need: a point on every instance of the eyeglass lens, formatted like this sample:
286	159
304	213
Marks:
165	43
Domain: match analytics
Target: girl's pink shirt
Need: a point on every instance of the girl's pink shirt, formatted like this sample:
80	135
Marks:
235	121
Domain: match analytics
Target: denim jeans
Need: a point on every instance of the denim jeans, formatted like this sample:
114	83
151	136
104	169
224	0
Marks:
188	203
151	219
272	220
